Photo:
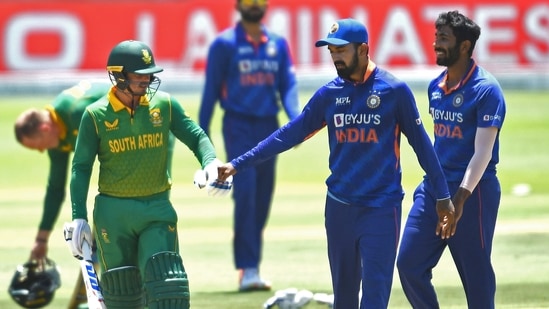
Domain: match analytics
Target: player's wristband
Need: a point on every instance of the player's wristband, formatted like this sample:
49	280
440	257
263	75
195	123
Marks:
41	240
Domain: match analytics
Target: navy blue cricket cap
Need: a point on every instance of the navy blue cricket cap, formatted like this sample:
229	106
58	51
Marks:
343	32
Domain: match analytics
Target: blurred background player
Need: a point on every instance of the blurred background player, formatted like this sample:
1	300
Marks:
249	69
54	129
365	109
128	132
468	109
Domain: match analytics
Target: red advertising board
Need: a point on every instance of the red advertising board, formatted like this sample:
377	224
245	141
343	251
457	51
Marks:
62	34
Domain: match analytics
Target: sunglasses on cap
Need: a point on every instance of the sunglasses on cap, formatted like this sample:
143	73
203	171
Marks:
254	2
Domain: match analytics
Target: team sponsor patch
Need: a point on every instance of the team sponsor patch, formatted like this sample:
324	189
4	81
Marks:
111	125
458	100
436	95
373	101
343	101
338	120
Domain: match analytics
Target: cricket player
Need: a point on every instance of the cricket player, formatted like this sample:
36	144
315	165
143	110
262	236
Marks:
468	109
250	72
135	224
365	110
54	129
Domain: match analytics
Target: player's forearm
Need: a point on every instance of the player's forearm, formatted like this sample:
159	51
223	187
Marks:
484	143
79	187
42	236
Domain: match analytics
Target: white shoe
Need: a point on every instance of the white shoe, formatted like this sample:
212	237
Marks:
250	281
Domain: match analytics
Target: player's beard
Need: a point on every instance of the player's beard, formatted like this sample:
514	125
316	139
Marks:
345	71
253	15
452	56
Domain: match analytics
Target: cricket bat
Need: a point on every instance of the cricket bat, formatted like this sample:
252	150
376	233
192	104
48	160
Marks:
91	281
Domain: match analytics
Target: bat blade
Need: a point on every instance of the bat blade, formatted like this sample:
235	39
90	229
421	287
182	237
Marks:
91	281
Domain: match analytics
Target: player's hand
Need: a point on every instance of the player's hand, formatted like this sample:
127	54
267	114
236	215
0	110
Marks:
208	175
459	199
225	171
76	232
446	226
39	251
220	187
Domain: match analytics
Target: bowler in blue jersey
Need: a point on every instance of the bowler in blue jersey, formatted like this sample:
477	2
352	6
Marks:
468	108
366	110
251	73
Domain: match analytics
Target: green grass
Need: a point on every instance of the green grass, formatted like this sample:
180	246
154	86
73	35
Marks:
294	251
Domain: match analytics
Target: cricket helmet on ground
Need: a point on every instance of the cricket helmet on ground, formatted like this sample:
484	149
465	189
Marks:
34	287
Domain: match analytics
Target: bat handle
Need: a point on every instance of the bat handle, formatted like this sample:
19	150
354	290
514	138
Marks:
87	251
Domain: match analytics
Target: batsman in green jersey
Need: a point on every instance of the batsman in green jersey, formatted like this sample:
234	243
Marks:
135	224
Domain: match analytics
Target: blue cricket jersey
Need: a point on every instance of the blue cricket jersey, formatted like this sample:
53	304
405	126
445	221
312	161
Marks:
365	122
248	78
457	113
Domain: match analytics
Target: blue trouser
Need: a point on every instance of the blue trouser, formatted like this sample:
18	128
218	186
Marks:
362	245
252	188
470	247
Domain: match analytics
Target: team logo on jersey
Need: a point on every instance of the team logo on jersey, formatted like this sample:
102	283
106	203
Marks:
147	58
105	236
373	101
111	125
458	100
271	49
156	117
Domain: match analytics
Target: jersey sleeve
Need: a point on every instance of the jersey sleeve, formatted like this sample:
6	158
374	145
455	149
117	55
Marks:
491	107
216	65
82	165
55	190
301	128
412	127
191	134
288	83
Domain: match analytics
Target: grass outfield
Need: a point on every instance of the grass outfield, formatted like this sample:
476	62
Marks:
294	252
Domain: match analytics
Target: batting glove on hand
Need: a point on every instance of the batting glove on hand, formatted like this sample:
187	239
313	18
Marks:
220	188
76	232
207	175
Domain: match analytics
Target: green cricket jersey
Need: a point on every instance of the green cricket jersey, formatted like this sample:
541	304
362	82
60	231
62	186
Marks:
66	111
131	147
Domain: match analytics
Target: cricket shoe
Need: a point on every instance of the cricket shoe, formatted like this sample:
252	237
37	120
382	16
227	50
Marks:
250	281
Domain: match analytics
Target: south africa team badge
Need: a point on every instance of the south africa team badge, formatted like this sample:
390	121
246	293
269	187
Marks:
373	101
156	118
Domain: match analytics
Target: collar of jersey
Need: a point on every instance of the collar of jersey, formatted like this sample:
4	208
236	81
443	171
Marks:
243	34
58	122
369	69
464	79
117	105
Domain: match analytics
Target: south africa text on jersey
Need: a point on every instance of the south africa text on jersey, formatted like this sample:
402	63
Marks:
143	141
